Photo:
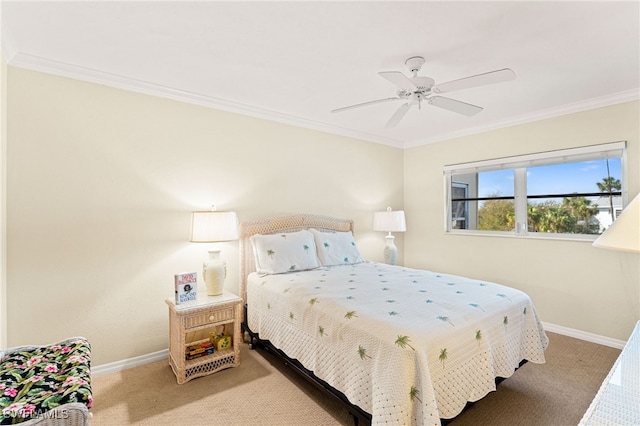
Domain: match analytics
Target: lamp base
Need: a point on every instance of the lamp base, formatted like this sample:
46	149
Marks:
214	271
390	251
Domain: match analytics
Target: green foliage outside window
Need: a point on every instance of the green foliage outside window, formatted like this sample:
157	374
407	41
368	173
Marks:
574	215
497	215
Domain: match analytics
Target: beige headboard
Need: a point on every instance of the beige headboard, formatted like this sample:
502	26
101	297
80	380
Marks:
279	224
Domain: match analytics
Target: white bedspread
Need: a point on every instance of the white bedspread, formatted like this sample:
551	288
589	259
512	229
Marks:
408	346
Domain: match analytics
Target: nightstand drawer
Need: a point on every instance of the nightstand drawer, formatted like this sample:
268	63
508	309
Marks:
209	316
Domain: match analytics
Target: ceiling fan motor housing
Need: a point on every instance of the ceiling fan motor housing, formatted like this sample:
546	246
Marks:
424	84
414	63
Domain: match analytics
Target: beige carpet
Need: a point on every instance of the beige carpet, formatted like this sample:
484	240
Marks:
261	391
555	393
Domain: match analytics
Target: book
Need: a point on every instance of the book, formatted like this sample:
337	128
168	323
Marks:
186	285
199	349
207	351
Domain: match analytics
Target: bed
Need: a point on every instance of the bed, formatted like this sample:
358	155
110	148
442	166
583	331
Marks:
398	345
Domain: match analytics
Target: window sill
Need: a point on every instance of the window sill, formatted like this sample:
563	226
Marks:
589	238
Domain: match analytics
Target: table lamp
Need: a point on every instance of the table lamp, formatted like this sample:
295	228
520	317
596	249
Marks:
211	227
390	221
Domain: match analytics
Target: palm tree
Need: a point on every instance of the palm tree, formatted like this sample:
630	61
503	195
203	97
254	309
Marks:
413	393
403	341
559	220
443	356
608	185
445	319
582	209
363	353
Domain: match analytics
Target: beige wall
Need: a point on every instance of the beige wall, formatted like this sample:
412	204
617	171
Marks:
101	183
3	181
571	283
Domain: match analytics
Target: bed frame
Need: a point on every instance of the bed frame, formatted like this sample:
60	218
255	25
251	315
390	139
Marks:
295	223
283	224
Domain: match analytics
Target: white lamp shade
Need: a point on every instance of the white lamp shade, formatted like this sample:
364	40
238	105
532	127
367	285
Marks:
214	226
624	233
389	221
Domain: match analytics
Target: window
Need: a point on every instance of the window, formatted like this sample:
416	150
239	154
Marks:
459	210
573	192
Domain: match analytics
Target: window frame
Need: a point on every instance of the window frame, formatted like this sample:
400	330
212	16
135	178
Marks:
519	165
465	213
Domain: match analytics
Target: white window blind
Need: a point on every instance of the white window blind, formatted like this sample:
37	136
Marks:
591	152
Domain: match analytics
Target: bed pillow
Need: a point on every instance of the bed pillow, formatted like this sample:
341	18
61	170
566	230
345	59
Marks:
336	248
285	252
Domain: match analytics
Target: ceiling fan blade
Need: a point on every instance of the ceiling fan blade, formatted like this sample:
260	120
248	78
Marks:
364	104
455	106
399	79
397	116
491	77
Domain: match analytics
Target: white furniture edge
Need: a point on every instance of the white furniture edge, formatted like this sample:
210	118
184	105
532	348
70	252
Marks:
616	402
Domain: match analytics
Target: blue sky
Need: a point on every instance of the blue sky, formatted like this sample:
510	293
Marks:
558	178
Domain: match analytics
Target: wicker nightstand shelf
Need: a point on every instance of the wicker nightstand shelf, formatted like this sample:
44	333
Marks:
190	323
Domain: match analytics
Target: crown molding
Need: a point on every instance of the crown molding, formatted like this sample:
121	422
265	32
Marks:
36	63
6	46
62	69
588	104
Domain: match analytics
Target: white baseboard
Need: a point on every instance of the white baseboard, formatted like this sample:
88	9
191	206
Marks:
114	367
583	335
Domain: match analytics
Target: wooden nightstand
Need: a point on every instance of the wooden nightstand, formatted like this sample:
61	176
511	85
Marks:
190	323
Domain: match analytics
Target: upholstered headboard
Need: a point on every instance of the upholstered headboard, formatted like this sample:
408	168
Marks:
274	225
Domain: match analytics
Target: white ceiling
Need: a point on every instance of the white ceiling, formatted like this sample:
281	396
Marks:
296	61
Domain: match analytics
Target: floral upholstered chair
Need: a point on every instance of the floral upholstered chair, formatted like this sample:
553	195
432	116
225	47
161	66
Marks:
46	385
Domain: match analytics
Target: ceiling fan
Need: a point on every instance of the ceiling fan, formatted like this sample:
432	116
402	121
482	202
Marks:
414	90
